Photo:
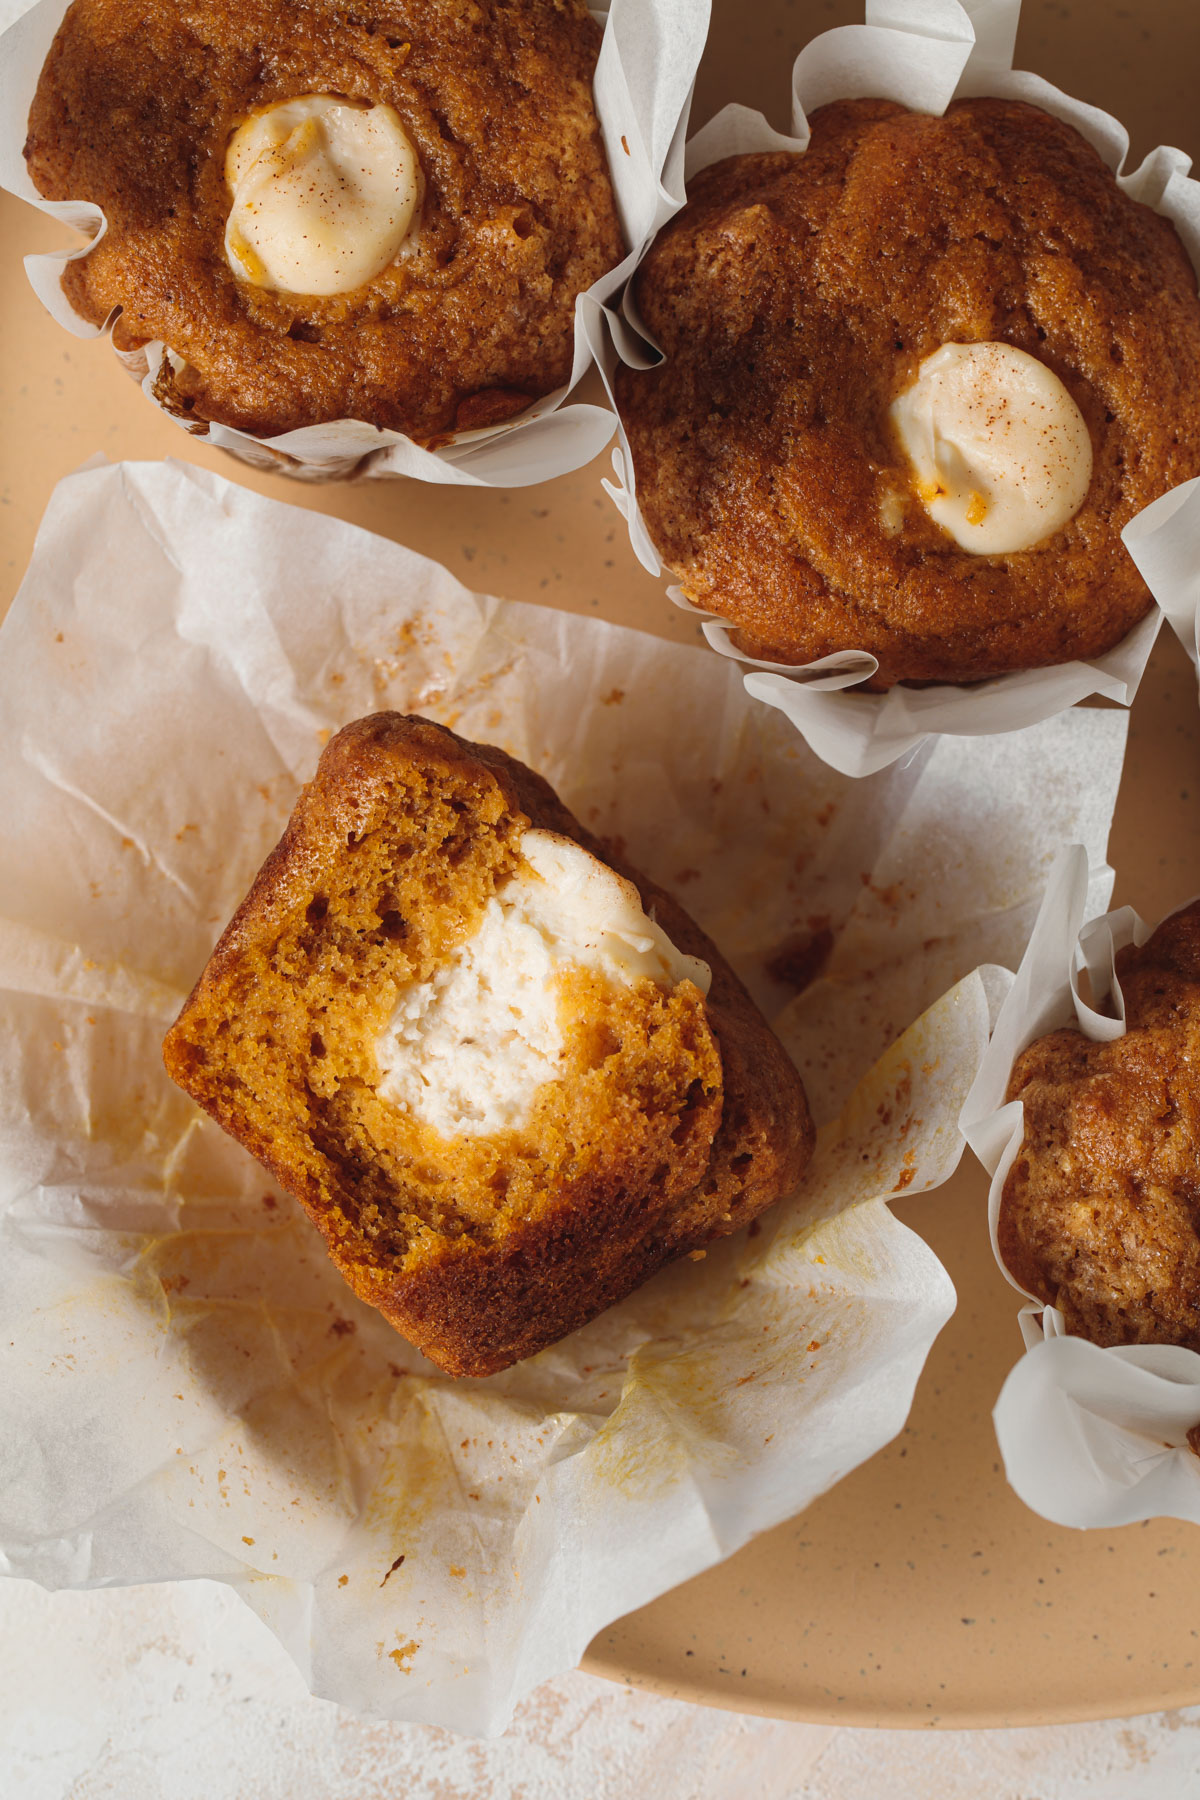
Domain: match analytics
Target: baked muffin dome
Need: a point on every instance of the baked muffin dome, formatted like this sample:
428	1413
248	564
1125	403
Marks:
797	296
1100	1213
377	1026
135	110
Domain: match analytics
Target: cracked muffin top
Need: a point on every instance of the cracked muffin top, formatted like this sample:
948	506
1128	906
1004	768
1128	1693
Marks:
383	213
1100	1214
915	381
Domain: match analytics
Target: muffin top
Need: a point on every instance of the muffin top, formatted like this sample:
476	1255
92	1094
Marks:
475	114
1040	331
1100	1214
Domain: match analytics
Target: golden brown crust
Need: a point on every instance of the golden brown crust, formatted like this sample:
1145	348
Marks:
1100	1214
135	107
681	1166
795	296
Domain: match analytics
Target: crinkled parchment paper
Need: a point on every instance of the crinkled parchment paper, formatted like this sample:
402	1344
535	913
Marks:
923	54
186	1386
1089	1436
642	89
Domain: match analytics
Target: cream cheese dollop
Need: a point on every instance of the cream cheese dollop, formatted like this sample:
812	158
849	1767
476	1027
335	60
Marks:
1000	453
467	1050
324	192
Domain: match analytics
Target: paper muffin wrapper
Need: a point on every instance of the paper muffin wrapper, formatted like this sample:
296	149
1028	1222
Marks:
923	54
187	1387
648	60
1089	1436
1164	542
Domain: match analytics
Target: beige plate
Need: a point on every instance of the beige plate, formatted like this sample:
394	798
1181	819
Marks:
920	1591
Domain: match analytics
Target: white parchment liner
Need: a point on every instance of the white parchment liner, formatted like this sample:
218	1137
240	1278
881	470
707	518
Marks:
1089	1436
1164	542
187	1388
642	88
923	54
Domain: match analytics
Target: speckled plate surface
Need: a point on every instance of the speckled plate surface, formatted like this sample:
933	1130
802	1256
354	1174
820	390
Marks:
920	1591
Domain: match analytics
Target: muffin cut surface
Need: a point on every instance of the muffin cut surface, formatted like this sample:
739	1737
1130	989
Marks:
485	1213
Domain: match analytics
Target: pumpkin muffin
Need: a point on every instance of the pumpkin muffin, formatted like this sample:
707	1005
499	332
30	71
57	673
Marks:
383	213
1100	1214
506	1077
915	381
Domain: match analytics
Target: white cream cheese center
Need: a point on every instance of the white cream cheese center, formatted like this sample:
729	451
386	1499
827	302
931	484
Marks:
1000	453
324	192
467	1050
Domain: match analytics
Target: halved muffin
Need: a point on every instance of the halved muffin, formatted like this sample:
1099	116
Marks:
506	1077
916	380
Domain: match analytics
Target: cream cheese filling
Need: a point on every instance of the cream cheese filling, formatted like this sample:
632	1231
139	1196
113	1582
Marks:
466	1051
1000	454
324	193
